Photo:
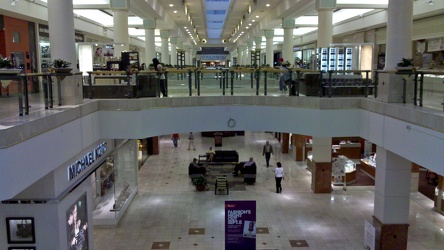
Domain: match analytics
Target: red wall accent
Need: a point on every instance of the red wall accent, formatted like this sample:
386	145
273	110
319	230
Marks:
16	25
12	25
2	44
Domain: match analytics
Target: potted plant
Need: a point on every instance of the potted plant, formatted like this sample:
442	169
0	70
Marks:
6	63
405	64
7	67
200	183
60	66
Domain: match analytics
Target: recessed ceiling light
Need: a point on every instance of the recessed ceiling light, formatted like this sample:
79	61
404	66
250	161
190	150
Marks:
247	27
175	11
268	5
253	21
257	16
171	5
249	24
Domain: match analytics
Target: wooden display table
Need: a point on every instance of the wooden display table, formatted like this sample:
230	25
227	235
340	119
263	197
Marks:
368	168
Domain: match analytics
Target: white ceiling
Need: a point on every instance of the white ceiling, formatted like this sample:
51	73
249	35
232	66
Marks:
221	22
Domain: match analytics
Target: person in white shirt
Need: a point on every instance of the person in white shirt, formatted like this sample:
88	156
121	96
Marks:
279	175
191	141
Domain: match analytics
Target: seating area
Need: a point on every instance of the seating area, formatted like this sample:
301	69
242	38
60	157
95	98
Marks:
226	156
249	173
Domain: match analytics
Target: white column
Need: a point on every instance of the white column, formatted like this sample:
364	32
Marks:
191	56
258	44
61	30
287	51
164	35
62	40
269	34
392	188
399	32
173	42
321	149
248	52
121	37
150	42
399	45
325	28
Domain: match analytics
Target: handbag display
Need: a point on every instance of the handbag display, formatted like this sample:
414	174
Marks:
24	230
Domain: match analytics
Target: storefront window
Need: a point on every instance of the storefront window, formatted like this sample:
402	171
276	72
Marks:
115	183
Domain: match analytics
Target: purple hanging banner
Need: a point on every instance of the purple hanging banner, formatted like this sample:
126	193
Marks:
240	225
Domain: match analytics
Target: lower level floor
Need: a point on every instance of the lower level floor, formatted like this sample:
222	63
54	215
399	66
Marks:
168	212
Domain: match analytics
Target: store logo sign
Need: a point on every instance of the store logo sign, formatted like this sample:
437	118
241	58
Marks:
87	160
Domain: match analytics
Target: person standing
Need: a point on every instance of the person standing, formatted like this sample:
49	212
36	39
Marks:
279	175
159	68
267	151
175	139
191	141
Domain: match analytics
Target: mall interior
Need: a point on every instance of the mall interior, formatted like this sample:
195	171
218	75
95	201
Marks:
86	124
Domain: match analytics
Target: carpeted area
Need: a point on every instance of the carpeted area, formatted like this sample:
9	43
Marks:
236	183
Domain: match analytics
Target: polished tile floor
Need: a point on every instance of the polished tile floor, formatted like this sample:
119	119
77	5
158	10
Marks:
168	213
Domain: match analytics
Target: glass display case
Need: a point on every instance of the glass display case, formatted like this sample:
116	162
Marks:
343	171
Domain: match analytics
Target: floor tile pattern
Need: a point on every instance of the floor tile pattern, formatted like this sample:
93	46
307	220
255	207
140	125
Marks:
163	212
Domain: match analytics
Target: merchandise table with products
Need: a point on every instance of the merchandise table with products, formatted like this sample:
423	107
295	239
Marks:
368	165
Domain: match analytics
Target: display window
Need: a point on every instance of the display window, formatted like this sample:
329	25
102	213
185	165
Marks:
114	181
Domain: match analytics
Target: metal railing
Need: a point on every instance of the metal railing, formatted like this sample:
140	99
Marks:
428	84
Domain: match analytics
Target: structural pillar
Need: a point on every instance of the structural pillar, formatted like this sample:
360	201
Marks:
62	40
242	55
269	34
287	50
399	45
249	49
164	36
392	200
258	45
173	42
321	171
299	146
121	36
325	28
285	143
150	48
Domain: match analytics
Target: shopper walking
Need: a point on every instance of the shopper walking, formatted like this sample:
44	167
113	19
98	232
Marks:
175	138
191	141
279	175
267	151
159	68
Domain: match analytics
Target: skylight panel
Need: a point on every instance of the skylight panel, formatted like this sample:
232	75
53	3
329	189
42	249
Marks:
344	14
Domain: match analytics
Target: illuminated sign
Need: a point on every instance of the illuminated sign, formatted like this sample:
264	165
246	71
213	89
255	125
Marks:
87	160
